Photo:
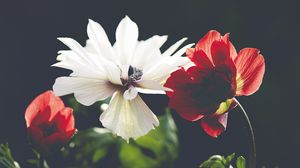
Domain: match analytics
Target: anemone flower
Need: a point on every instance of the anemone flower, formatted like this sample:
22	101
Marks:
205	91
123	70
50	124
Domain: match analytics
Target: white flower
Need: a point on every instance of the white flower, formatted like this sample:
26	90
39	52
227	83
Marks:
123	70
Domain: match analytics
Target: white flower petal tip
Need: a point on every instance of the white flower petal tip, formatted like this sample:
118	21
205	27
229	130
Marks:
168	89
92	21
174	47
128	118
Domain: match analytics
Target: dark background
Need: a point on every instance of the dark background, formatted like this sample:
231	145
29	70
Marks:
28	46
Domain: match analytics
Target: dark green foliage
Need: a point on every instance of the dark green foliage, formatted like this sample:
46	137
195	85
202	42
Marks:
218	161
6	158
98	147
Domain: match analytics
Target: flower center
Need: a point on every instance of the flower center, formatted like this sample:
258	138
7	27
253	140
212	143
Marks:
133	75
215	87
48	129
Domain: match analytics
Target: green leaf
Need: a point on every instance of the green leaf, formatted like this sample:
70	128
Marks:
38	161
6	158
241	162
159	148
215	161
218	161
229	158
88	147
98	147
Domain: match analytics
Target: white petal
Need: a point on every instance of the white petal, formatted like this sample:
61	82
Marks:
113	73
128	118
164	68
151	87
130	93
126	38
174	47
76	47
124	71
86	91
69	60
148	91
182	50
100	40
148	52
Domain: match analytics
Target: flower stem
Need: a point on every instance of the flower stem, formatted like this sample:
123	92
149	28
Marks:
42	162
252	157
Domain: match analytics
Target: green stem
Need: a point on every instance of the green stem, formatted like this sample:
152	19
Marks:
41	163
252	158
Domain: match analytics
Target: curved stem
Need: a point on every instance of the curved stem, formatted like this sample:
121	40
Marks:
252	158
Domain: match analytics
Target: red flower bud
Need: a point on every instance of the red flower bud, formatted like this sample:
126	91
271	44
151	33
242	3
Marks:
50	124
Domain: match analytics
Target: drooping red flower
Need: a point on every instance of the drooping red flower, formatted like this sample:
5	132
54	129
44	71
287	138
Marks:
50	124
206	90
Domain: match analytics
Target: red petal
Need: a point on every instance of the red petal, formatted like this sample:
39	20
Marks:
40	104
232	49
199	58
35	134
215	125
176	79
206	42
250	68
221	57
57	138
185	107
65	120
180	100
220	53
197	74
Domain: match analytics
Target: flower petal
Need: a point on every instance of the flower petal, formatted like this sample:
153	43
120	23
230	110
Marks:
232	49
250	68
87	91
46	101
151	87
78	50
174	47
220	53
215	125
221	58
206	42
176	79
130	93
113	73
64	120
199	58
70	60
147	52
126	38
180	99
182	50
100	40
128	119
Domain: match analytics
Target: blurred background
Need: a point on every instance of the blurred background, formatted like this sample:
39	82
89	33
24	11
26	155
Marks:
28	45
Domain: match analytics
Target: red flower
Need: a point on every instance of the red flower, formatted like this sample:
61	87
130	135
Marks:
50	124
207	89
